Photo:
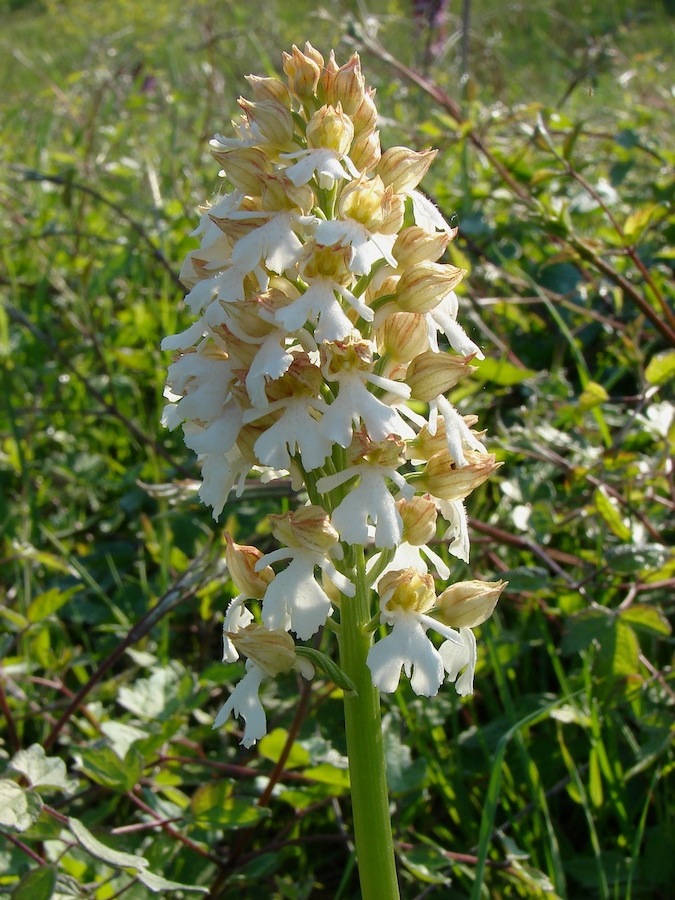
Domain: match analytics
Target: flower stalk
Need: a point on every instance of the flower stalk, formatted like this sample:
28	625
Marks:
367	770
324	341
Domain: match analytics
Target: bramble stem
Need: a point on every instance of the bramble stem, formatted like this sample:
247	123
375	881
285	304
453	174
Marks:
370	798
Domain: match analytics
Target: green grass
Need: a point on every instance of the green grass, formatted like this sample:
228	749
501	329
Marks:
556	778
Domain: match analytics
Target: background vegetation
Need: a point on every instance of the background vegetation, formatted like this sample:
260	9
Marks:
555	779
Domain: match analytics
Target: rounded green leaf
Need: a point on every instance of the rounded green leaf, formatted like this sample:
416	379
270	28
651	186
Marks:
42	771
661	368
648	618
214	805
19	807
36	884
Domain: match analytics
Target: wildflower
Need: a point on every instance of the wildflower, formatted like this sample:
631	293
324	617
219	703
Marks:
251	584
418	517
294	600
370	499
329	136
407	598
270	653
364	224
322	312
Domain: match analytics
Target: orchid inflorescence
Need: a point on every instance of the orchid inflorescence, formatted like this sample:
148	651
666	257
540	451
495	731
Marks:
325	340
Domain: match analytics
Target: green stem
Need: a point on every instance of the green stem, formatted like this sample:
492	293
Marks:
370	798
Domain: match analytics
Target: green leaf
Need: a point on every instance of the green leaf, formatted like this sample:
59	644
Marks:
404	774
571	139
608	511
44	828
619	651
595	791
512	850
273	745
501	372
592	395
157	883
122	735
48	603
42	770
658	744
586	627
159	696
309	795
648	618
320	661
50	561
428	864
101	851
36	884
540	175
18	621
661	368
628	138
525	578
324	773
105	767
628	560
214	806
19	807
638	220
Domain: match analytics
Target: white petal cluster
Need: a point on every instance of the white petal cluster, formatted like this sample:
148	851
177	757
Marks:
318	295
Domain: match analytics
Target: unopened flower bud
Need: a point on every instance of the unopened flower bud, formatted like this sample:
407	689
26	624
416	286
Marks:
273	651
415	245
431	374
443	479
366	151
393	212
468	604
419	519
365	117
244	168
344	85
425	445
269	89
273	120
302	70
308	528
377	293
403	169
330	128
408	590
402	336
241	560
422	287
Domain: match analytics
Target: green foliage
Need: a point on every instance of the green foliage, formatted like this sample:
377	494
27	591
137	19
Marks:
556	778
